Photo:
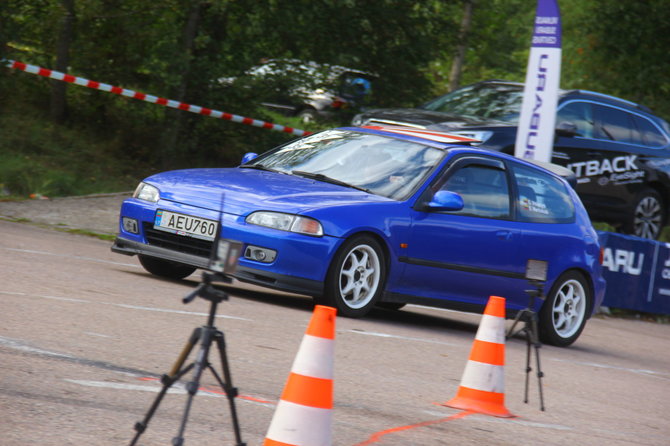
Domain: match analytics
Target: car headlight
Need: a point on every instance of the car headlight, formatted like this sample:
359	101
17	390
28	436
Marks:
481	135
147	192
286	222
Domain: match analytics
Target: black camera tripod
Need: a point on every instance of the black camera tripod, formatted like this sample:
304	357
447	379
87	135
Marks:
529	317
206	335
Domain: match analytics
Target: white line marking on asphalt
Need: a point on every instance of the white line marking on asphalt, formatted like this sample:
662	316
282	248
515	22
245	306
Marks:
16	345
163	310
176	388
63	299
100	335
623	369
405	338
559	427
90	259
131	307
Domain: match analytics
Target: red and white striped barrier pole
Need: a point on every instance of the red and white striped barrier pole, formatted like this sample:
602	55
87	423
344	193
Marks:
57	75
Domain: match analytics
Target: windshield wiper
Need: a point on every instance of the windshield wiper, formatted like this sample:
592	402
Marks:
327	179
257	167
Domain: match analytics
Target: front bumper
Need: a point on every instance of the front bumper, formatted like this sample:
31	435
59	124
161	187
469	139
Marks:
243	273
300	266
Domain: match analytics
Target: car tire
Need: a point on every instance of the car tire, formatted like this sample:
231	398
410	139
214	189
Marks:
356	277
565	310
165	268
647	215
308	116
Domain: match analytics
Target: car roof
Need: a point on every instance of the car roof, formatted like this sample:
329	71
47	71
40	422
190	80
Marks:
606	98
433	136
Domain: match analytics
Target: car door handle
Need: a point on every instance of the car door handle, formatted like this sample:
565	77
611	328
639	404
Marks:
504	235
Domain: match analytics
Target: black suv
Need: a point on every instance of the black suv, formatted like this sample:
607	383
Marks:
618	150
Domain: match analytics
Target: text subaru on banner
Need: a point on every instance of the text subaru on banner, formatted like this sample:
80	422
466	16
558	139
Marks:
535	137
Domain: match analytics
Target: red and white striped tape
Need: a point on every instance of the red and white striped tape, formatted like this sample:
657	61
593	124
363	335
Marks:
57	75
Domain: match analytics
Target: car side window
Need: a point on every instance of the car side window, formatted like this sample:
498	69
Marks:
616	125
541	197
485	191
580	114
651	135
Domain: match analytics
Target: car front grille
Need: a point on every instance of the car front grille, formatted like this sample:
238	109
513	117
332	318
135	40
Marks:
179	243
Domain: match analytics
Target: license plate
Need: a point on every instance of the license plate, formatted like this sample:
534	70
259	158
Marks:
186	225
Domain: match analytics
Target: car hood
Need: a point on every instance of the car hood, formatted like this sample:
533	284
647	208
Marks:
421	117
245	190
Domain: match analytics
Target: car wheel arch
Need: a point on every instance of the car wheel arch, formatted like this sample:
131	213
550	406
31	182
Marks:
356	242
552	307
654	191
664	192
589	281
383	243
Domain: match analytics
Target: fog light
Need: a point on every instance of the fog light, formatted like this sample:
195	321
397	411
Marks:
130	225
259	254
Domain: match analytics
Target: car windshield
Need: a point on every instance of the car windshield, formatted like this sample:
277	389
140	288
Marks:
380	165
490	101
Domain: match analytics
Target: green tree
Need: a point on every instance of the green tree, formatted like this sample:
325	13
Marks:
65	37
620	48
496	46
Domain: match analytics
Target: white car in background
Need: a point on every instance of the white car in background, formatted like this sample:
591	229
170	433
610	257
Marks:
308	90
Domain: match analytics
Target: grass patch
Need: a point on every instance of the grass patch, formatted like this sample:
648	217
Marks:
107	237
640	316
15	220
38	157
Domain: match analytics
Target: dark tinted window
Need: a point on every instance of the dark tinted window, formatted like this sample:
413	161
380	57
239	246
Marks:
542	198
491	101
484	190
616	125
649	133
578	113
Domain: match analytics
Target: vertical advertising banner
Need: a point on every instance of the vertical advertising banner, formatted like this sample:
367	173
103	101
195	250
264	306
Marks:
535	137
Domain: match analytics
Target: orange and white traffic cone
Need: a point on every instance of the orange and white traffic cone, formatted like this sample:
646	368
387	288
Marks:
482	386
304	413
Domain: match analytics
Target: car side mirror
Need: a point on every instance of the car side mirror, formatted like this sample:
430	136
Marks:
567	129
445	200
248	157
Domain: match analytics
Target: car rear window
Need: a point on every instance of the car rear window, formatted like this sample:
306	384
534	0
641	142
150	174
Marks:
651	135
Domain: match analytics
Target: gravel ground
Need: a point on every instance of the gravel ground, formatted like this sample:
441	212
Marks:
93	213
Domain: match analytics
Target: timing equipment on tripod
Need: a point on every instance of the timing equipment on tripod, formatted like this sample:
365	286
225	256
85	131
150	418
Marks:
536	274
223	260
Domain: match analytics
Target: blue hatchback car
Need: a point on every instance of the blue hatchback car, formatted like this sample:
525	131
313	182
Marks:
380	215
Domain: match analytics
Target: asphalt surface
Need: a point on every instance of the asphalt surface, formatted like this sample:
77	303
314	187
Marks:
93	213
86	333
